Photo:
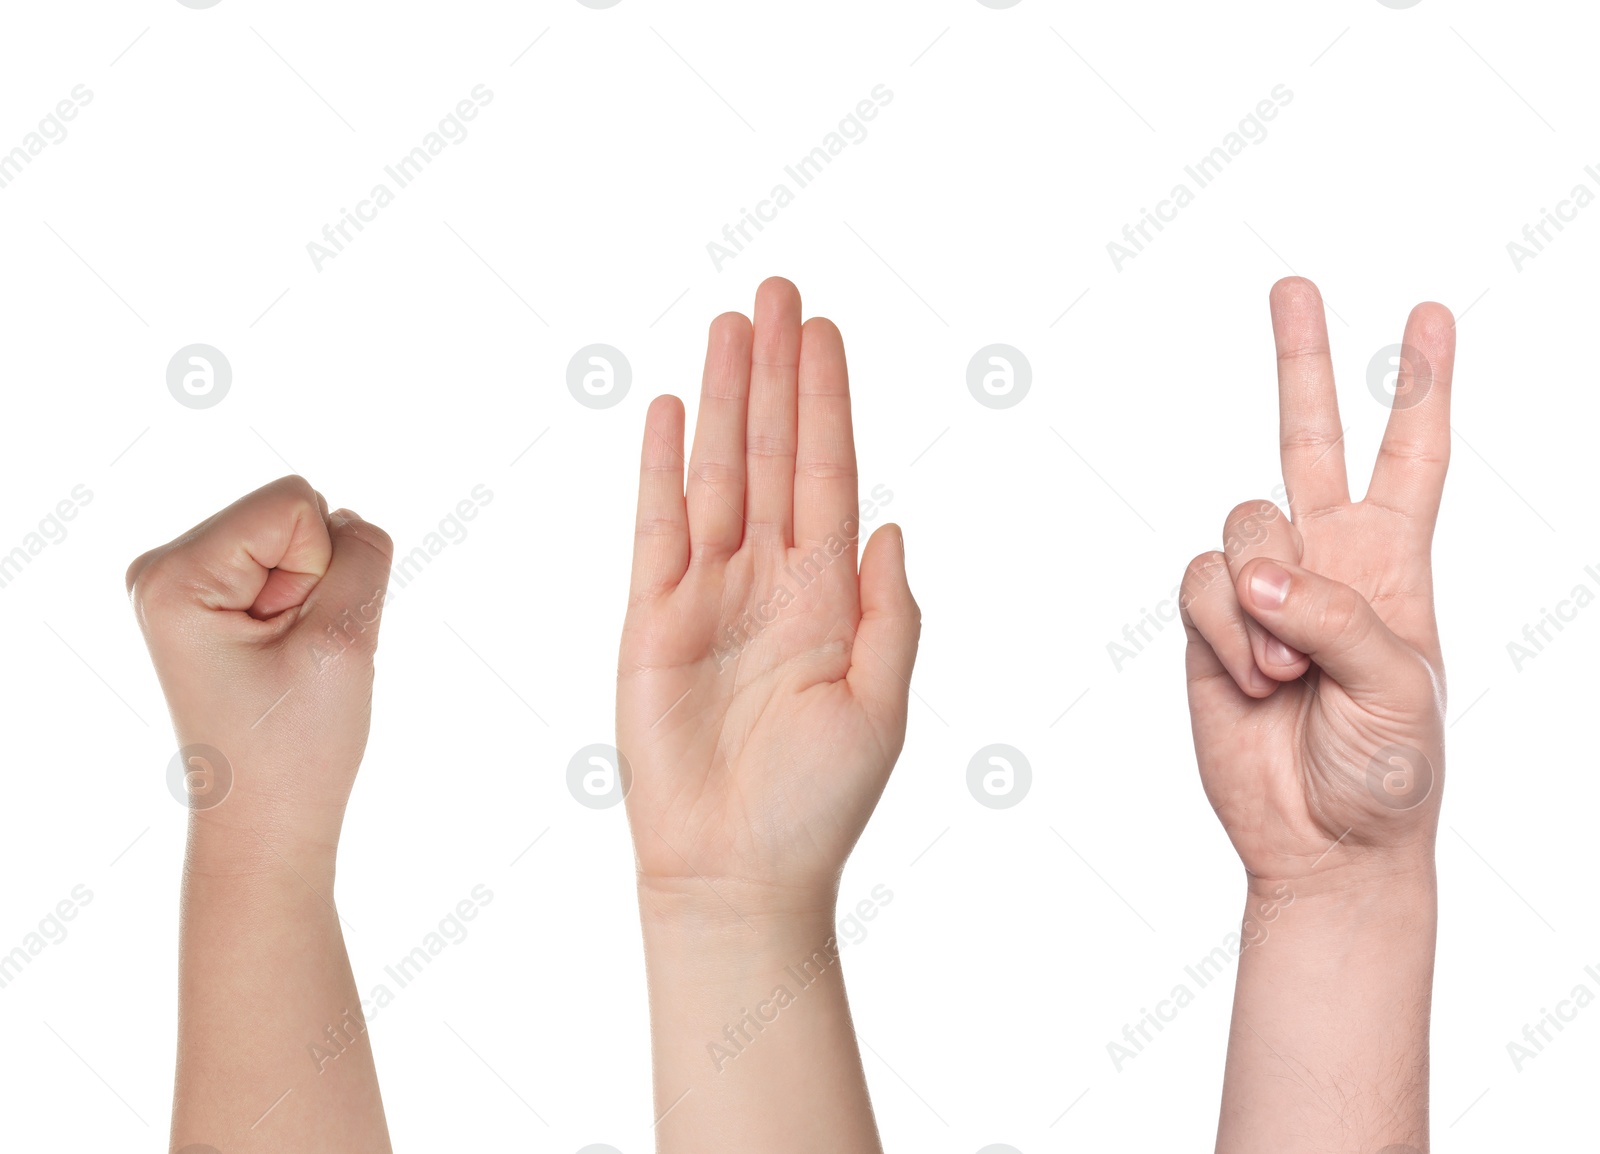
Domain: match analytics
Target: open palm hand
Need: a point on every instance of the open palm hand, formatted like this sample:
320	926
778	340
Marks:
763	681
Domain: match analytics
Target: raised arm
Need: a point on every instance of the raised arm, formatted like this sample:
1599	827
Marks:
1316	692
761	704
262	623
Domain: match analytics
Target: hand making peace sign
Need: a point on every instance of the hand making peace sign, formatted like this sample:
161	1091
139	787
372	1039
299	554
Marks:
1316	689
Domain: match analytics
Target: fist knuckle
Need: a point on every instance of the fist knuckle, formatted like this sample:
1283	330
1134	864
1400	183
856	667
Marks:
1250	520
160	590
370	534
295	483
1203	572
296	490
1250	523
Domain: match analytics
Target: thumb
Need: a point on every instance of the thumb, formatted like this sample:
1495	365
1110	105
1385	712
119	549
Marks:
342	612
1338	629
886	638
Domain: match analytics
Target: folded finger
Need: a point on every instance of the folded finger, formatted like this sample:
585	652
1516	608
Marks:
1261	529
1213	618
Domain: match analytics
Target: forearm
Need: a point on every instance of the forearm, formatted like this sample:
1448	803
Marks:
271	1042
752	1041
1329	1044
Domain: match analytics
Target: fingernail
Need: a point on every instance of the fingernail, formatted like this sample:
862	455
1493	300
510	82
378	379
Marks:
341	517
1280	654
1269	586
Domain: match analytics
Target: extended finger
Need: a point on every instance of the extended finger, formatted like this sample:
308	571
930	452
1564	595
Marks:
1415	453
661	526
717	464
825	502
773	423
1309	432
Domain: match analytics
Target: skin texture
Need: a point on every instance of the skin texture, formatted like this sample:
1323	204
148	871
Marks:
761	702
261	623
1316	691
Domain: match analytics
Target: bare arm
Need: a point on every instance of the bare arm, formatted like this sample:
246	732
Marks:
1316	693
752	1040
761	701
262	623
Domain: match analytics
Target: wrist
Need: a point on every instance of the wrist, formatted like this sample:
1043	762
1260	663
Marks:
1388	912
1351	874
735	926
723	966
1334	980
245	846
717	904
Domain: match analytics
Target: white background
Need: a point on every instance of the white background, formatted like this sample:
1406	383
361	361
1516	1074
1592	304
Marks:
426	358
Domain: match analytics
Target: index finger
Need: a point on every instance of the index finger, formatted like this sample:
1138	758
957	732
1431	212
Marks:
1309	433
